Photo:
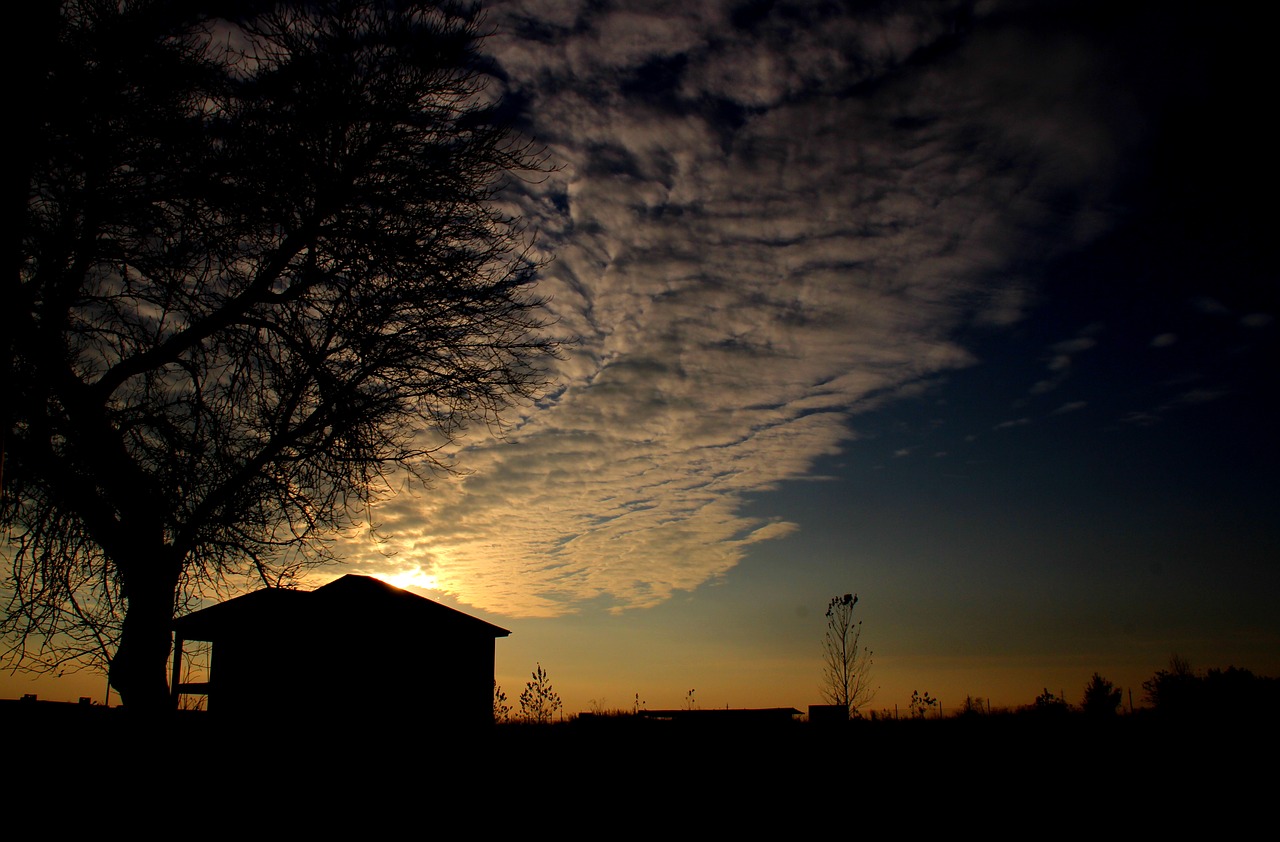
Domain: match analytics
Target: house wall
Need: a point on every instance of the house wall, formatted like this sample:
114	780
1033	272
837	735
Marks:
427	679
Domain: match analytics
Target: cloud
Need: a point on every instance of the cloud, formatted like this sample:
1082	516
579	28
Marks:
1163	340
1210	306
1190	397
1072	346
1196	396
1060	356
761	227
1041	387
1140	419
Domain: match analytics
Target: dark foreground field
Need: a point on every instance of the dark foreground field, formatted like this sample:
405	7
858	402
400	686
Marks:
1008	775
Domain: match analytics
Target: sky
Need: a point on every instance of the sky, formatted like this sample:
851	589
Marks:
968	308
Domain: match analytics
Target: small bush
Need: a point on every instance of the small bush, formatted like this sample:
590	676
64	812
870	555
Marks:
539	702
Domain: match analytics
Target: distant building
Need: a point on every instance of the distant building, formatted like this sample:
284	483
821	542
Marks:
355	646
724	716
828	714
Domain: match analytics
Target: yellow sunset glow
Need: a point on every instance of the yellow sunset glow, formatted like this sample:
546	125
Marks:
415	579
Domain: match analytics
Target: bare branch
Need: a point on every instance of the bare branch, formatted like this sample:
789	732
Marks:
261	266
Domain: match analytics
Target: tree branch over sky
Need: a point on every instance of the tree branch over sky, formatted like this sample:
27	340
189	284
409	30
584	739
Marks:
261	271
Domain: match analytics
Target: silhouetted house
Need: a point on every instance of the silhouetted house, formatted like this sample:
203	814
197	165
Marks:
354	646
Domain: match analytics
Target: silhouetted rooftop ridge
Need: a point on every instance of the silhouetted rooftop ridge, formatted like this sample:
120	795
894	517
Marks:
349	599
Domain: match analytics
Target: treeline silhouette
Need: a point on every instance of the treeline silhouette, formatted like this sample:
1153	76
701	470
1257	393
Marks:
1177	692
1196	732
1180	692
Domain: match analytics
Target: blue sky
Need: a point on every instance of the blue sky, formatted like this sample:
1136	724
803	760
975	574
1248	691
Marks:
966	307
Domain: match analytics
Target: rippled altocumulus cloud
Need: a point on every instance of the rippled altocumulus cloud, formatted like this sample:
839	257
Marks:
761	225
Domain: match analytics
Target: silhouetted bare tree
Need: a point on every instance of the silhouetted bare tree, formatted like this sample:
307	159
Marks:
259	269
846	668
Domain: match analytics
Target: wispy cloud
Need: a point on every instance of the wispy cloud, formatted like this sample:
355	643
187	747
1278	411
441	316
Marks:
762	225
1210	306
1060	358
1189	397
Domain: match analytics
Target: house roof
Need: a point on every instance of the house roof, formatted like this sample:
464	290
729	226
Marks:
351	600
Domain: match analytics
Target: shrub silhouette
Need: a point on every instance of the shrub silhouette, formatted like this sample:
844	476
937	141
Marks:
539	702
1101	697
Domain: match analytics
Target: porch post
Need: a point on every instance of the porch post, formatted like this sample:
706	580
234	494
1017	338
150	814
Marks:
177	670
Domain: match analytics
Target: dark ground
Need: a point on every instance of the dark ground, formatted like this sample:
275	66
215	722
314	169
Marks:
628	778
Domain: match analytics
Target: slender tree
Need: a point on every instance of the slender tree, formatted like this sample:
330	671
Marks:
846	668
260	270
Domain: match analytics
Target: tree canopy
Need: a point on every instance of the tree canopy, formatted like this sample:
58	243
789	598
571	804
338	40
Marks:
260	267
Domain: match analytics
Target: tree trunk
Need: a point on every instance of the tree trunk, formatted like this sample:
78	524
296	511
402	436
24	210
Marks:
140	667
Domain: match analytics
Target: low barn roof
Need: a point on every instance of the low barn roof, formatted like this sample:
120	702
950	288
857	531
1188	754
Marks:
351	600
